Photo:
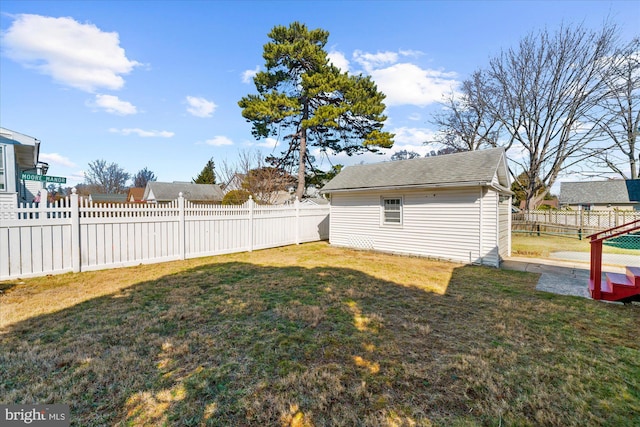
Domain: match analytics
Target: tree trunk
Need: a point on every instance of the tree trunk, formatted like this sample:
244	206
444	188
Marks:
303	161
303	150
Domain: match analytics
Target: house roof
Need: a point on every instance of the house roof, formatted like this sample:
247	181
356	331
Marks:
617	191
108	198
470	168
167	191
137	193
315	201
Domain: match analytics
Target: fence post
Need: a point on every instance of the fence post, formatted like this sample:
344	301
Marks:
250	204
581	224
297	205
42	204
75	231
614	220
182	227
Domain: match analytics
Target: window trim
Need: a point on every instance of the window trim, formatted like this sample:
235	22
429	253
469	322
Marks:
383	211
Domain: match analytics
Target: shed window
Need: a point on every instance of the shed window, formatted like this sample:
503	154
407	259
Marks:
392	211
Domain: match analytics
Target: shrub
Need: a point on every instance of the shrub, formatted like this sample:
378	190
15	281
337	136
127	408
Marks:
236	197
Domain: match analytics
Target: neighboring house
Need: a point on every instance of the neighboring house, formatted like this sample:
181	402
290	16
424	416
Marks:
453	206
617	194
315	201
135	194
280	197
19	153
163	192
107	198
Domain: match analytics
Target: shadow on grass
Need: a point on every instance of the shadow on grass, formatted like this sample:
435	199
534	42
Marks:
4	287
241	344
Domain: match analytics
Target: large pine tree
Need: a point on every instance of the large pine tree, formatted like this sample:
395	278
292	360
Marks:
308	102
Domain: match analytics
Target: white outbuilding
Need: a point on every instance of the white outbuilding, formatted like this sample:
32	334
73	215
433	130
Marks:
455	207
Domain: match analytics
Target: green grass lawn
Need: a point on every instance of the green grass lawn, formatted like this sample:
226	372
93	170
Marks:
532	245
316	335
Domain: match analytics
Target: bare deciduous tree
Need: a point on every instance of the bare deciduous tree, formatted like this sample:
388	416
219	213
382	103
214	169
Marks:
467	123
250	173
620	114
106	178
545	90
266	183
234	173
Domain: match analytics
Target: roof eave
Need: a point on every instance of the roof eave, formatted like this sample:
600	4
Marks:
501	189
417	187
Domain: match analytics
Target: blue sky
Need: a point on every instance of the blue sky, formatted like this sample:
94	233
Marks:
156	84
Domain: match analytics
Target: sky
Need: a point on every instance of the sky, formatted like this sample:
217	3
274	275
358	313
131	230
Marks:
156	84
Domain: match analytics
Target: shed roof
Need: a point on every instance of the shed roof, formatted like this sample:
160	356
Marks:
470	168
617	191
167	191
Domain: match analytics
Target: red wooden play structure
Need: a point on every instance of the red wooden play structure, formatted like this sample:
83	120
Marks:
617	287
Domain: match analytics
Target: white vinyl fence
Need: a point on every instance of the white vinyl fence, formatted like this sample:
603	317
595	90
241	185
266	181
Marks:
75	235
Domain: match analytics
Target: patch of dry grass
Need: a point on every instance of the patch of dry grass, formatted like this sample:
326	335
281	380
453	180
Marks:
315	335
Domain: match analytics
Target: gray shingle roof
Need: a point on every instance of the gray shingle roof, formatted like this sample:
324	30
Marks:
167	191
600	192
466	168
108	198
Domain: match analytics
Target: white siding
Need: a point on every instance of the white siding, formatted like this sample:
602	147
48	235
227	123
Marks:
438	223
31	189
489	228
8	202
504	230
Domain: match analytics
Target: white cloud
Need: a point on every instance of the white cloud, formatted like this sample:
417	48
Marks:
74	54
371	61
269	143
112	104
407	83
419	140
56	159
143	133
200	107
248	75
219	141
415	116
339	60
412	136
409	52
